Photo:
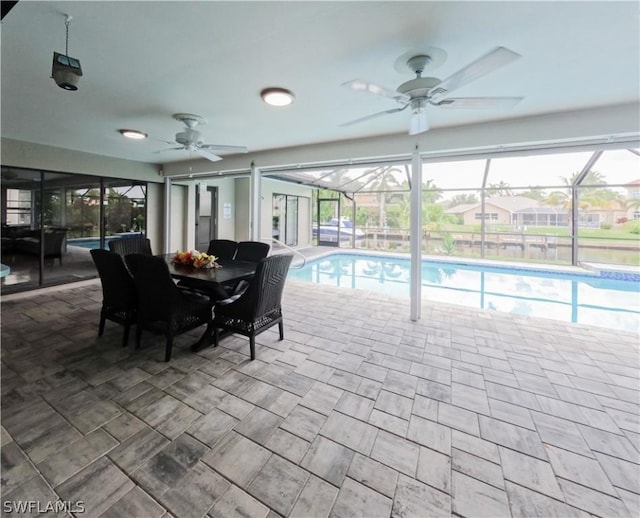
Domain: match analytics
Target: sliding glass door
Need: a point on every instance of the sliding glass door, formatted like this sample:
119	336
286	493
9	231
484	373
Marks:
50	222
285	219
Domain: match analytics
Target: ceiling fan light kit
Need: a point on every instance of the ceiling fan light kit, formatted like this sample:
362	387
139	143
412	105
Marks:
277	96
133	134
420	92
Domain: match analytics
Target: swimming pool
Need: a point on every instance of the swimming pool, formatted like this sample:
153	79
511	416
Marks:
88	242
571	297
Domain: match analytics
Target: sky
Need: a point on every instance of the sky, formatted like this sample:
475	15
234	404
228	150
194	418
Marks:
616	166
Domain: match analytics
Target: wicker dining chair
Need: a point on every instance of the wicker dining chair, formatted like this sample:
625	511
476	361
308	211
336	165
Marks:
163	308
252	251
119	298
259	307
131	245
223	248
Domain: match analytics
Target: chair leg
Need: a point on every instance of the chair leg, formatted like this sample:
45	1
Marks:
101	326
125	336
167	352
216	336
281	329
252	346
138	336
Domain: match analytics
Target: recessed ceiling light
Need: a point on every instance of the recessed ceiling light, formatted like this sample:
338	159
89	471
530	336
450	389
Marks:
277	96
134	134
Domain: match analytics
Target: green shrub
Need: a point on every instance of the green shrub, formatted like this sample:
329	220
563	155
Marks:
605	226
634	228
448	244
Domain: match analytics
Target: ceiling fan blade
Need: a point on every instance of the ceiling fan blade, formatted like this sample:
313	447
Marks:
478	102
373	116
482	66
363	86
216	147
208	155
169	149
418	123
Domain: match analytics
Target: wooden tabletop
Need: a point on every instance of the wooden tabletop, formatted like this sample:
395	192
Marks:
229	271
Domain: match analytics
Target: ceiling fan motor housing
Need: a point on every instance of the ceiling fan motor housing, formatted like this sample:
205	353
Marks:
189	137
418	87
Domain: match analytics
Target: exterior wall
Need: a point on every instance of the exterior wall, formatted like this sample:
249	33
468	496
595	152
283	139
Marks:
504	216
16	153
609	217
179	228
183	203
242	209
226	196
271	187
155	216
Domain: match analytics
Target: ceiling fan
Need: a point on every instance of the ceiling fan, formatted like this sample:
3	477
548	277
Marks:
190	139
421	92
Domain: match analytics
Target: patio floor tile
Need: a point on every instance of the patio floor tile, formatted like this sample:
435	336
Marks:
327	459
355	414
354	499
235	503
316	499
529	472
279	484
98	486
68	461
195	493
237	458
472	497
350	432
395	452
414	498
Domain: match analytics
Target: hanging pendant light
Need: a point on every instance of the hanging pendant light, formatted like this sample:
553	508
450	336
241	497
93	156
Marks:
66	71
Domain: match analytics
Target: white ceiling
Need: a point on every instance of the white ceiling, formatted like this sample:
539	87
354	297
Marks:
144	61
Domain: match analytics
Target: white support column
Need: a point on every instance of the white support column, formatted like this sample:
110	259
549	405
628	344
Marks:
256	202
167	214
416	235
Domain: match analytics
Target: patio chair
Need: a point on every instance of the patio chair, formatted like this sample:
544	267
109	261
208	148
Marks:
252	251
223	248
119	298
257	308
163	308
131	245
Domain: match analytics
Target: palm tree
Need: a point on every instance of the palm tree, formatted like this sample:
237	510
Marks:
498	189
463	199
592	178
557	199
431	211
384	180
535	193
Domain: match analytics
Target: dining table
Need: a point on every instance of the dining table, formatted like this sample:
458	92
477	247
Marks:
228	273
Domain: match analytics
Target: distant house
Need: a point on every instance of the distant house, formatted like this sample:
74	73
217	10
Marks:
542	216
500	210
633	190
520	211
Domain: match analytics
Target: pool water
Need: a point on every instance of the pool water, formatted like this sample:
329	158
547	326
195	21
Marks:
587	299
87	242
